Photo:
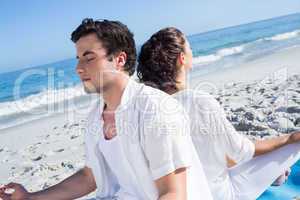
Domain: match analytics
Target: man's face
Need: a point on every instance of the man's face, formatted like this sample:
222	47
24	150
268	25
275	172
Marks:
94	68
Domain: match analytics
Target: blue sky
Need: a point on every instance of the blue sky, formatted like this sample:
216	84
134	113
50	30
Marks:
35	32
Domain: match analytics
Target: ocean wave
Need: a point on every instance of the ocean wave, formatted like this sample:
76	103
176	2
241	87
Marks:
44	98
199	60
284	36
46	103
221	53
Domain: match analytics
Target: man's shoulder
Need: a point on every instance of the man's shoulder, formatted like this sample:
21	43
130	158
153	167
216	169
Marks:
150	91
157	98
157	105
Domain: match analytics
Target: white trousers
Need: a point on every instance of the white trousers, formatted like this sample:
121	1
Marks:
250	179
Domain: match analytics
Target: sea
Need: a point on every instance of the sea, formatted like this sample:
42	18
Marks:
46	90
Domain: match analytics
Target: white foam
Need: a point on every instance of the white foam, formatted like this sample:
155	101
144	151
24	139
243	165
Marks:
47	103
284	36
44	99
218	55
230	51
206	59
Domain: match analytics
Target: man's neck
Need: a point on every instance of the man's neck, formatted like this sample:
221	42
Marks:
112	96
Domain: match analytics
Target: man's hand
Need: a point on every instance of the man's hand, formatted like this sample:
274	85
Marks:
75	186
19	192
3	195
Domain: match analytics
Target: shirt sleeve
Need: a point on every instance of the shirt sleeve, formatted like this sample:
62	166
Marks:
166	142
237	146
88	159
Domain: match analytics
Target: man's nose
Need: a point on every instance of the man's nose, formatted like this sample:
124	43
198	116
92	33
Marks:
79	69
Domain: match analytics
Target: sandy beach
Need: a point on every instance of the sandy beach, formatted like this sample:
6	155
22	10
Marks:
261	98
41	153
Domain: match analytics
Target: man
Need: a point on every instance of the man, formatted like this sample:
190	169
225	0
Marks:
137	142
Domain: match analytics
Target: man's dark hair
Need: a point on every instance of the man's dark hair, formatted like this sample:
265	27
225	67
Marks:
114	36
157	61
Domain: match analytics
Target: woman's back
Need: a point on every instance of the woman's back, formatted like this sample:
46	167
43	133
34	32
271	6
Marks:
214	138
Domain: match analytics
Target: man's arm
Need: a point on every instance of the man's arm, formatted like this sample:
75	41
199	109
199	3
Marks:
173	186
77	185
269	145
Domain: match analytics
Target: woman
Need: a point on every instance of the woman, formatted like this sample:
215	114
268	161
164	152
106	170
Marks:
164	62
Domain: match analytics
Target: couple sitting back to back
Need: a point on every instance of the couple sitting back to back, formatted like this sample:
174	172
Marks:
143	144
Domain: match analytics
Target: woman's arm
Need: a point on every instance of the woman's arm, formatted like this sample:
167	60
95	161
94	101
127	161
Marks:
269	145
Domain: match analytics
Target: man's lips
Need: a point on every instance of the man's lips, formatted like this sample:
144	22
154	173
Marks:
85	79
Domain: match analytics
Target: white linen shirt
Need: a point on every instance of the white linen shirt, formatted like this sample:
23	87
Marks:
214	137
153	140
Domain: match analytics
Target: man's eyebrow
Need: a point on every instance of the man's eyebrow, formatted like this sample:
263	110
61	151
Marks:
86	53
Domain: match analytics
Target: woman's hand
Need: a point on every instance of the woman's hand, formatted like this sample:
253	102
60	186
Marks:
294	138
269	145
282	178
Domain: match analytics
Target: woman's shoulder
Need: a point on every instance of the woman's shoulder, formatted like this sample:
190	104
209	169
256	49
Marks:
197	98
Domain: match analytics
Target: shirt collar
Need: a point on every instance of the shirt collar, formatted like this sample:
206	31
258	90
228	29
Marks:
129	94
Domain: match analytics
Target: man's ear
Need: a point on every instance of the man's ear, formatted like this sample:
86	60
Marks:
121	60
